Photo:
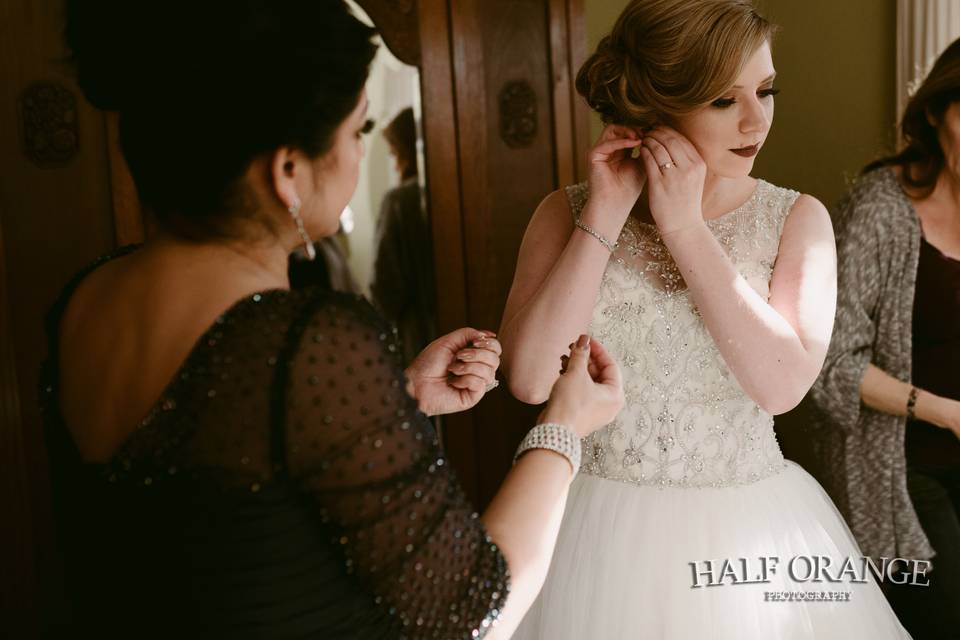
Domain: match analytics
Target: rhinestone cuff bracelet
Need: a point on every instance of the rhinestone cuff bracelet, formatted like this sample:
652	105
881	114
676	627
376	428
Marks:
555	437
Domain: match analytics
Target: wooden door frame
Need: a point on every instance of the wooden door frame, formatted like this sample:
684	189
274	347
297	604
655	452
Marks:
445	208
463	434
568	49
19	591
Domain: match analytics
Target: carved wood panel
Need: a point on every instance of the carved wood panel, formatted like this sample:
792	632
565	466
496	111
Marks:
518	114
48	121
512	81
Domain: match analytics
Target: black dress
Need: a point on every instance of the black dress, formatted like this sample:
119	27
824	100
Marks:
933	453
283	486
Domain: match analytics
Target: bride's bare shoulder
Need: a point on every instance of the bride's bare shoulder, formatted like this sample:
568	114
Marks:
555	213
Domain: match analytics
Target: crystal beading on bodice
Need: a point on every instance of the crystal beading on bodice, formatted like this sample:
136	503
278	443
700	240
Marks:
686	421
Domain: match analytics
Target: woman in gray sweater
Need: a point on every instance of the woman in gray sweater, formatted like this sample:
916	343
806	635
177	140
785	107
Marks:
887	410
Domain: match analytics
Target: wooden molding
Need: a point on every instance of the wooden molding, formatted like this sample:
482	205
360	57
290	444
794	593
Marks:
441	145
577	53
568	49
399	24
19	586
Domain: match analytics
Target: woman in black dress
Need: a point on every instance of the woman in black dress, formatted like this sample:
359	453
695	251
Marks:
235	459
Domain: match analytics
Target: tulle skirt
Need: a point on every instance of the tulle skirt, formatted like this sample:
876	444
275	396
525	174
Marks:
622	566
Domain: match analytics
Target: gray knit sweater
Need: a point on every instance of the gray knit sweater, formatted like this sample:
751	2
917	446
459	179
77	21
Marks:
861	451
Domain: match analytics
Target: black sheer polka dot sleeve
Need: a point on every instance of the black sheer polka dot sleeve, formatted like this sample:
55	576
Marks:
371	462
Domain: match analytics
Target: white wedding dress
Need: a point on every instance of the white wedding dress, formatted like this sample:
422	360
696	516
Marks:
691	471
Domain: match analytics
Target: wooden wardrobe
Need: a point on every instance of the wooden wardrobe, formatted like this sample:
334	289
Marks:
502	127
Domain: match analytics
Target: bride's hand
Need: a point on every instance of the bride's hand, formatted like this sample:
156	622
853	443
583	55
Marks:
675	175
616	177
589	392
454	371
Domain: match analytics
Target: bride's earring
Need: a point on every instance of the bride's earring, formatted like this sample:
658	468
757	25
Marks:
308	247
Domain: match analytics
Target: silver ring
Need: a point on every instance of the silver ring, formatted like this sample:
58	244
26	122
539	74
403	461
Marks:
493	385
667	165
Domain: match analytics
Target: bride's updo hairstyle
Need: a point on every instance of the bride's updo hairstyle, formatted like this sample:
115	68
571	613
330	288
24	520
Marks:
204	87
668	58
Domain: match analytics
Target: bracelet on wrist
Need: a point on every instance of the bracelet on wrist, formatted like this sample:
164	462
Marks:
553	437
611	246
912	404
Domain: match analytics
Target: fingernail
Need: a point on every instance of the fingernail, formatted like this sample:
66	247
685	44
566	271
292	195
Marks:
583	341
465	355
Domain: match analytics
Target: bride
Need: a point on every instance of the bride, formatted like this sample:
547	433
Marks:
716	292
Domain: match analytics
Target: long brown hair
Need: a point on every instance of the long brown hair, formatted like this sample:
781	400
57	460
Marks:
921	159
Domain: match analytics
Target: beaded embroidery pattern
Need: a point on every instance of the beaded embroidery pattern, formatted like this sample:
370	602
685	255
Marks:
686	421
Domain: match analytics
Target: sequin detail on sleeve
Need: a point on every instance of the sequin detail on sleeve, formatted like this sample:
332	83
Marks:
282	484
373	465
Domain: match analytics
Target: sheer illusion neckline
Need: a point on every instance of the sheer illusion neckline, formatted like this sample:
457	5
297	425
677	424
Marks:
642	250
754	196
205	339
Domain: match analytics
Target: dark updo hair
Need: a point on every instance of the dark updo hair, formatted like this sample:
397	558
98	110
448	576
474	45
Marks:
921	159
668	58
204	87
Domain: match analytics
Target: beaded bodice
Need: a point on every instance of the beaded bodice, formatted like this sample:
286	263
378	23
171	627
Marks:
686	421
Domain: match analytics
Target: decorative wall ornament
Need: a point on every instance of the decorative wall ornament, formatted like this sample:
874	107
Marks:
518	114
48	117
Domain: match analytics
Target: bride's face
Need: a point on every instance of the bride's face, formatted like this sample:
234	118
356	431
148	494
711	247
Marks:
729	132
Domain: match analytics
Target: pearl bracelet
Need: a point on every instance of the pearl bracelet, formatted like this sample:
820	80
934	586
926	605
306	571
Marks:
554	437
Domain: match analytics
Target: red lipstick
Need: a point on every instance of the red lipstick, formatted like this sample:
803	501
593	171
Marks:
747	152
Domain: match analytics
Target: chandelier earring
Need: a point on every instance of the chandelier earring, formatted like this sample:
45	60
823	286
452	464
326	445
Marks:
308	247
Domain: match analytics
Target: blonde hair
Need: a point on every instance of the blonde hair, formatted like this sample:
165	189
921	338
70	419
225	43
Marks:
667	58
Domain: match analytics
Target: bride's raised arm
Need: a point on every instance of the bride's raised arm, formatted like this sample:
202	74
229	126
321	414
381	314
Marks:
560	268
775	348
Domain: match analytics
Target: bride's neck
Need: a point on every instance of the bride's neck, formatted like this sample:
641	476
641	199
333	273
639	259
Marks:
723	195
720	196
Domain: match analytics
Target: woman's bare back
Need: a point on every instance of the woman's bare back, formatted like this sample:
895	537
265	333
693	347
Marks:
128	328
